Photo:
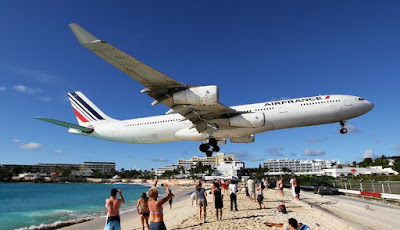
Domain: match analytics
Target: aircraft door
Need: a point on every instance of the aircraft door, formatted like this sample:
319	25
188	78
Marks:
282	109
348	102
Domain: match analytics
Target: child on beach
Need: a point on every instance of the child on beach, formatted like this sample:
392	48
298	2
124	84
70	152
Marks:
201	200
144	210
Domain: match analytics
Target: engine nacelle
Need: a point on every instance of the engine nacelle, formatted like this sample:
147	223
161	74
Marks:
247	120
197	95
244	139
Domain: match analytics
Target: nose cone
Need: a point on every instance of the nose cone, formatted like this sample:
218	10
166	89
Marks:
370	106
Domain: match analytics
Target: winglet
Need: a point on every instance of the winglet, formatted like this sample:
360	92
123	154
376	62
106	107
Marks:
82	35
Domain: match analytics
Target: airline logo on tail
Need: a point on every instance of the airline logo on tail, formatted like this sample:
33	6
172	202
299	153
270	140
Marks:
84	110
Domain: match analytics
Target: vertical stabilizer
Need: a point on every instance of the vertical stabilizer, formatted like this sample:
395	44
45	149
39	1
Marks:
85	111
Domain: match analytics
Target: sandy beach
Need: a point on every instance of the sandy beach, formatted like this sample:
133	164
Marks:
248	216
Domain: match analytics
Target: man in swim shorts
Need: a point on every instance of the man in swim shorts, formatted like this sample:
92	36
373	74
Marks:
112	205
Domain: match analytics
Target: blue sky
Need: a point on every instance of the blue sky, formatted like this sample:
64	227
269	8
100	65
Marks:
254	51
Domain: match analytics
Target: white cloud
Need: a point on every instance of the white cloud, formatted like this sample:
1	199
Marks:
369	153
244	156
45	99
25	89
160	160
352	129
15	140
309	152
58	151
396	147
39	75
30	146
2	88
276	152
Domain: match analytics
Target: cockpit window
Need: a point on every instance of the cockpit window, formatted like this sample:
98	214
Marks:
361	99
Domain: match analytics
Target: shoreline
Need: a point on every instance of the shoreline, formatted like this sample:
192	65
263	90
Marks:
314	211
130	218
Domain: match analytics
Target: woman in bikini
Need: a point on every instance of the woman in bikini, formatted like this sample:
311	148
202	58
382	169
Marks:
156	208
144	211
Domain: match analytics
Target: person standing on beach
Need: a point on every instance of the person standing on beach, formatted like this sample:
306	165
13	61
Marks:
218	201
170	200
201	200
296	185
144	211
156	208
233	189
280	186
292	187
260	194
225	185
112	205
252	188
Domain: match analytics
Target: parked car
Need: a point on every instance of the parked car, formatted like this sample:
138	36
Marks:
324	188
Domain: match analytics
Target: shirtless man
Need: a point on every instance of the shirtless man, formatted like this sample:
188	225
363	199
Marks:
112	206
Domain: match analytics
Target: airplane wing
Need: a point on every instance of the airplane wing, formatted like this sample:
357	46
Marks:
157	85
66	124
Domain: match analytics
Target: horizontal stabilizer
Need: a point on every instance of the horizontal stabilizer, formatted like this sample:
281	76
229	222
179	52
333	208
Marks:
66	124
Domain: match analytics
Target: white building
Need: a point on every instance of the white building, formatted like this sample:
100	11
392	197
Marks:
295	165
336	172
227	170
214	161
85	172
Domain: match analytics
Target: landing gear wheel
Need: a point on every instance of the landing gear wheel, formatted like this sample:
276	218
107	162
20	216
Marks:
204	147
216	148
212	142
208	153
343	130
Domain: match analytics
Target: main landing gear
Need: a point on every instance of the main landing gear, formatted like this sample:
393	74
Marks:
343	130
209	147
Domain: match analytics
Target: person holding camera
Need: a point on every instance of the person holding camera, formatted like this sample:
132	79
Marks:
112	205
156	207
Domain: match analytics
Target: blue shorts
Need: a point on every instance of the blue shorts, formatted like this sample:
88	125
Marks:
113	223
157	226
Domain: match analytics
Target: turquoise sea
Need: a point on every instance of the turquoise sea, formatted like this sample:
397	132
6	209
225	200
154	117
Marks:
29	204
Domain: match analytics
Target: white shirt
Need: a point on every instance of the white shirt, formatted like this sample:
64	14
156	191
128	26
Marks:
233	189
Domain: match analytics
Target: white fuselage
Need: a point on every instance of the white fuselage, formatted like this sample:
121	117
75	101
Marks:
282	114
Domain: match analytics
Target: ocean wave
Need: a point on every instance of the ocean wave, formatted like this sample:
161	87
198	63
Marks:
57	224
51	212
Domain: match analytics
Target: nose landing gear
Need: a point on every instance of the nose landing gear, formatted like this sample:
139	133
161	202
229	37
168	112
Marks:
343	130
210	147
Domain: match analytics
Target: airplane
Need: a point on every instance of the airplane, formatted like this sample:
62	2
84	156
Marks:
195	111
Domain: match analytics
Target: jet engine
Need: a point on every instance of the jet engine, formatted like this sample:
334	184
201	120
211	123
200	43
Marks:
247	120
197	95
243	139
